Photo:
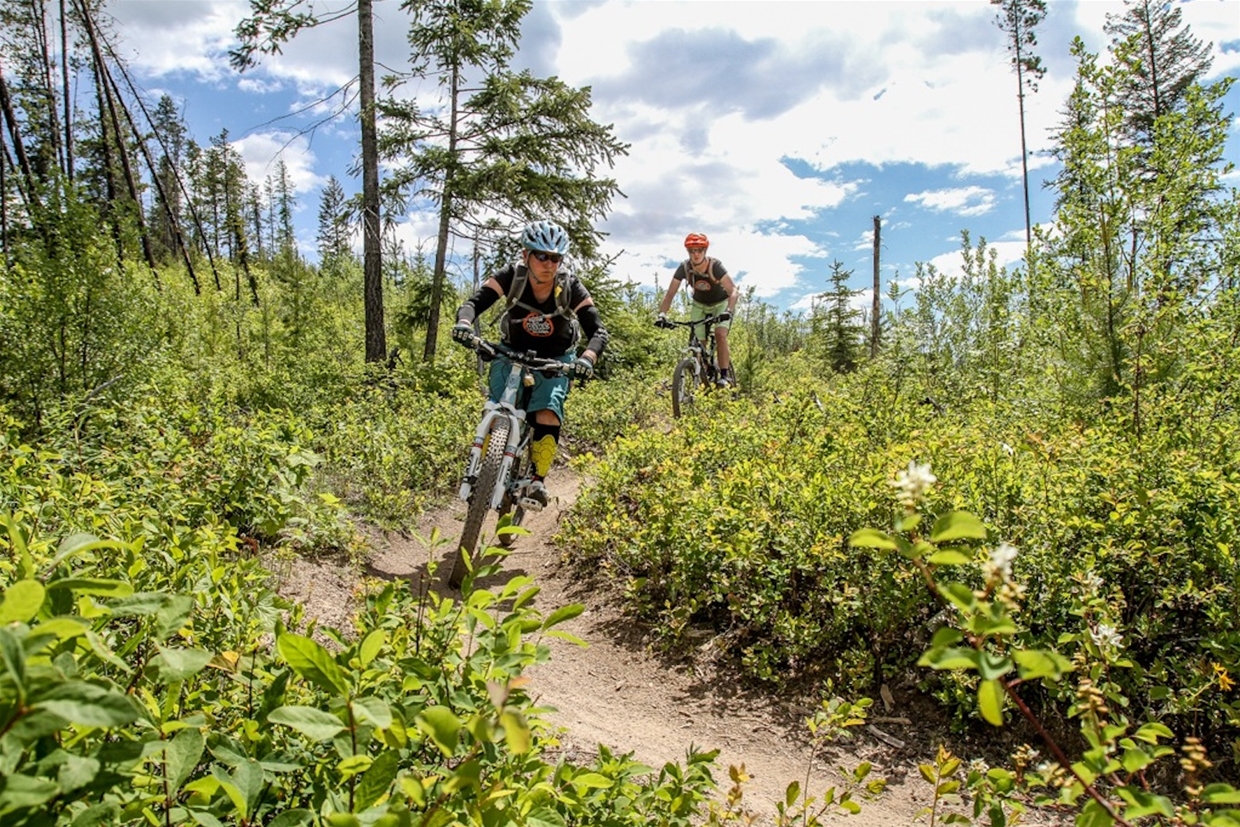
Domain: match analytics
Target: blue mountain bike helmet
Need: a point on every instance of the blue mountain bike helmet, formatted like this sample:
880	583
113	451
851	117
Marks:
546	236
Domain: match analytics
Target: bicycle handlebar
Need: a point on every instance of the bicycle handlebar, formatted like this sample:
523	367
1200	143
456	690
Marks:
527	359
706	320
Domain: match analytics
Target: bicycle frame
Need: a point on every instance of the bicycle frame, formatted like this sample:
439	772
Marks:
702	350
507	407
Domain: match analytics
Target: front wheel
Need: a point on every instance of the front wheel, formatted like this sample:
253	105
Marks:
684	385
480	499
511	506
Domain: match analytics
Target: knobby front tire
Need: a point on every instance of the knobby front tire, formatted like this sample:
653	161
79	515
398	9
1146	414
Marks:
511	504
480	500
684	386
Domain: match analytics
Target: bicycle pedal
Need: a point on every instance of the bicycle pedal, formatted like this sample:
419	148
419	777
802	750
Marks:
531	504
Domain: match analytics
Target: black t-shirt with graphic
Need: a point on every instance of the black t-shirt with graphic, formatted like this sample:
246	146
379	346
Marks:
537	326
707	287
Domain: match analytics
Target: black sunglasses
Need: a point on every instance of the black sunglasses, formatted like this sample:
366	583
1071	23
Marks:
554	258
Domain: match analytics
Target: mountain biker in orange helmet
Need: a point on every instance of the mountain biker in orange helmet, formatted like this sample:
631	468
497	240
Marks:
714	293
546	304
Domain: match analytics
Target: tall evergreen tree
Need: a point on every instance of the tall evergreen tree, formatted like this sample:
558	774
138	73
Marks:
1161	58
333	234
502	143
841	329
169	131
1019	20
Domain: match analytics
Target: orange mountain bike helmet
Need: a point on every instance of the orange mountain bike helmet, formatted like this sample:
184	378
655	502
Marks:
697	240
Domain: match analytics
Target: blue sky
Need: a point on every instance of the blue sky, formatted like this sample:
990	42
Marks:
778	127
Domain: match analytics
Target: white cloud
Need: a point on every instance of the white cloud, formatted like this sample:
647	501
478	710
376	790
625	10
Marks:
958	200
262	151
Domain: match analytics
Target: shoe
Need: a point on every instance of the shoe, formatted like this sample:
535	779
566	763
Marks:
723	382
534	497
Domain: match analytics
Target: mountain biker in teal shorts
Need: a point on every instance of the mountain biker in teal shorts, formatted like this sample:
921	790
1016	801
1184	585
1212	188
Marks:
545	303
714	293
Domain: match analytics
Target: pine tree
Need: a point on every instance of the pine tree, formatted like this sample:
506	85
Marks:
1019	19
502	143
333	235
842	330
1161	62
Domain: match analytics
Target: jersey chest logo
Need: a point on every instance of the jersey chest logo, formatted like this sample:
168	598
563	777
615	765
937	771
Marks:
703	285
536	325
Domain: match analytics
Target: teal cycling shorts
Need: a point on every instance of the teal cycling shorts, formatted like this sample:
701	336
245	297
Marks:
697	312
548	394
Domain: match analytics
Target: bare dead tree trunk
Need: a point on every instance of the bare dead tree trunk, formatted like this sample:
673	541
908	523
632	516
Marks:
47	75
445	212
26	181
110	100
67	99
875	302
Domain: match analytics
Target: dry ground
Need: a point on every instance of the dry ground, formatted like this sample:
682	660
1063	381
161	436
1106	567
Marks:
619	692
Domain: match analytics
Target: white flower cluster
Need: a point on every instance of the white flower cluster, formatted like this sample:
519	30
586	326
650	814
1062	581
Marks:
913	482
1000	563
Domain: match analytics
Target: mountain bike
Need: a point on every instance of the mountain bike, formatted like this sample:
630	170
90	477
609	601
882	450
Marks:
499	467
698	368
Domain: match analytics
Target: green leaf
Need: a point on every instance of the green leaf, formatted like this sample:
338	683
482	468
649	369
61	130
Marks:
1135	760
79	702
1094	815
1152	732
592	781
173	615
21	792
371	646
945	636
441	726
516	732
957	525
313	723
181	756
292	818
22	602
1143	804
950	658
568	636
98	586
872	538
14	658
376	781
312	662
78	544
174	664
372	710
949	557
992	667
1038	663
990	701
959	595
106	813
1220	794
25	567
562	614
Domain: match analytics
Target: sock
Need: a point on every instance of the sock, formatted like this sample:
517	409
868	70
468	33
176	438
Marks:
542	447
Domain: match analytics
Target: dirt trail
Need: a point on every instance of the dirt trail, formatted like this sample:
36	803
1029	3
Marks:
618	692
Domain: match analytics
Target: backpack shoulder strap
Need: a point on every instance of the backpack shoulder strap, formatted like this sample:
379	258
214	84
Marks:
519	278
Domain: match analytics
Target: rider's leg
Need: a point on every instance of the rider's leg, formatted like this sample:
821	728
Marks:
545	438
725	353
546	412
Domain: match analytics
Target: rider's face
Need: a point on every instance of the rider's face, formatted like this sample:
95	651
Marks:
542	265
696	253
